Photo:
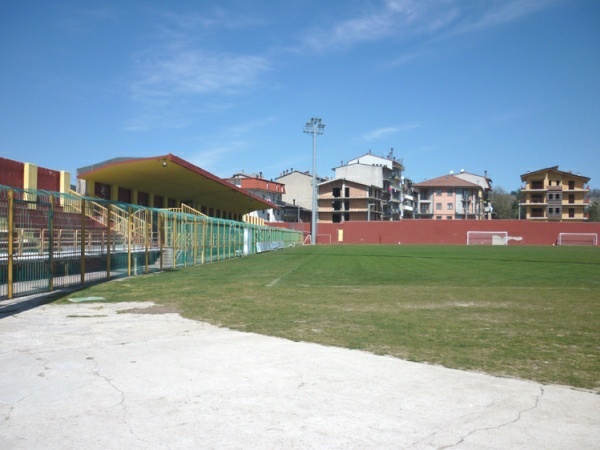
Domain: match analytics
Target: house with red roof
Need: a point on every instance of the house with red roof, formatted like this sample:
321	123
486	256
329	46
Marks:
454	196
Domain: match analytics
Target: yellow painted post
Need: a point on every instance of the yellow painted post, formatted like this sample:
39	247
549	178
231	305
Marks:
174	239
108	240
10	237
195	239
51	245
203	238
147	231
82	244
161	240
129	241
185	233
219	242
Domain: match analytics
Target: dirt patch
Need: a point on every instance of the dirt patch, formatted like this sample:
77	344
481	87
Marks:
155	309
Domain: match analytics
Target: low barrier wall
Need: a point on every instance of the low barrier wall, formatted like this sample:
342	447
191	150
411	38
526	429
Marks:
520	232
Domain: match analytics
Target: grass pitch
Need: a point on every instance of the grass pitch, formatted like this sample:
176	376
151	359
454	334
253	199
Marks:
527	312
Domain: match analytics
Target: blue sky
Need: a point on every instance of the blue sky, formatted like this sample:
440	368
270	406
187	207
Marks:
501	86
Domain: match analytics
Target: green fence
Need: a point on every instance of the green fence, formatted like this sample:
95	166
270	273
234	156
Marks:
50	240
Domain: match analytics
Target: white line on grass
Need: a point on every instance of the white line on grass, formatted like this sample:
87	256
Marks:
277	280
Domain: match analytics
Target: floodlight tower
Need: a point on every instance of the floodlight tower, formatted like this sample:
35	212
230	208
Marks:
314	127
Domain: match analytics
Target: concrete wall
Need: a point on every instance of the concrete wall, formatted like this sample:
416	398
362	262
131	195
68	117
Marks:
298	189
521	232
361	173
22	175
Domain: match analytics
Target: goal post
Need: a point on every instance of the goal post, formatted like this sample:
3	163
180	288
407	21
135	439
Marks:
487	238
577	239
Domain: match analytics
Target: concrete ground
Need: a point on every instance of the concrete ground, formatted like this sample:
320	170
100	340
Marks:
95	376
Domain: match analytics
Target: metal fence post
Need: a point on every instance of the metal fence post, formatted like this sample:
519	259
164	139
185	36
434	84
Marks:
108	240
82	246
51	245
129	225
10	237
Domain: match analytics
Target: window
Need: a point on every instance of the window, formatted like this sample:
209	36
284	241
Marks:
450	191
143	198
124	195
571	211
102	190
438	192
571	185
336	192
347	192
438	217
449	217
438	206
450	206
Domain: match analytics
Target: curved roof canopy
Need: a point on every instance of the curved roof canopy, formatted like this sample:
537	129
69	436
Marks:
173	177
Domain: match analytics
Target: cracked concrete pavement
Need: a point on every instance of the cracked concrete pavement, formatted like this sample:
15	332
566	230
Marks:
89	376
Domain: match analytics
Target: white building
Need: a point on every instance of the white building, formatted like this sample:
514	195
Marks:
386	174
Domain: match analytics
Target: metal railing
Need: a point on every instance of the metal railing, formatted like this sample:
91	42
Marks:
50	240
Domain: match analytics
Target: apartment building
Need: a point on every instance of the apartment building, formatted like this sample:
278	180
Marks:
450	197
269	190
385	173
297	198
342	200
554	195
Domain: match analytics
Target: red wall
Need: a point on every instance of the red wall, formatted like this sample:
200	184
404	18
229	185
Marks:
11	173
522	232
48	179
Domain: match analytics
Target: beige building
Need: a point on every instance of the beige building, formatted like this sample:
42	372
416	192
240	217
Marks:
454	197
342	200
387	174
553	195
297	198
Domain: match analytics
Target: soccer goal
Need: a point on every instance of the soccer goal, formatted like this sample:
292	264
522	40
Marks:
577	239
487	238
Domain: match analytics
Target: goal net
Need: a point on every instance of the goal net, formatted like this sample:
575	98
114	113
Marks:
577	239
487	237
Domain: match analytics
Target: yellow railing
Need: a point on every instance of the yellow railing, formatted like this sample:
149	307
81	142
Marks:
121	220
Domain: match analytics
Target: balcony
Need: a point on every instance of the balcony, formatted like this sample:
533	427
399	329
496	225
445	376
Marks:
534	203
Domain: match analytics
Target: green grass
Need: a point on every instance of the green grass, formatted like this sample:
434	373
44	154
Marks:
528	312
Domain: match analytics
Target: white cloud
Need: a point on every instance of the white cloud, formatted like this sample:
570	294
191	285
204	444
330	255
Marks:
210	159
394	18
504	12
193	71
247	127
385	132
177	75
